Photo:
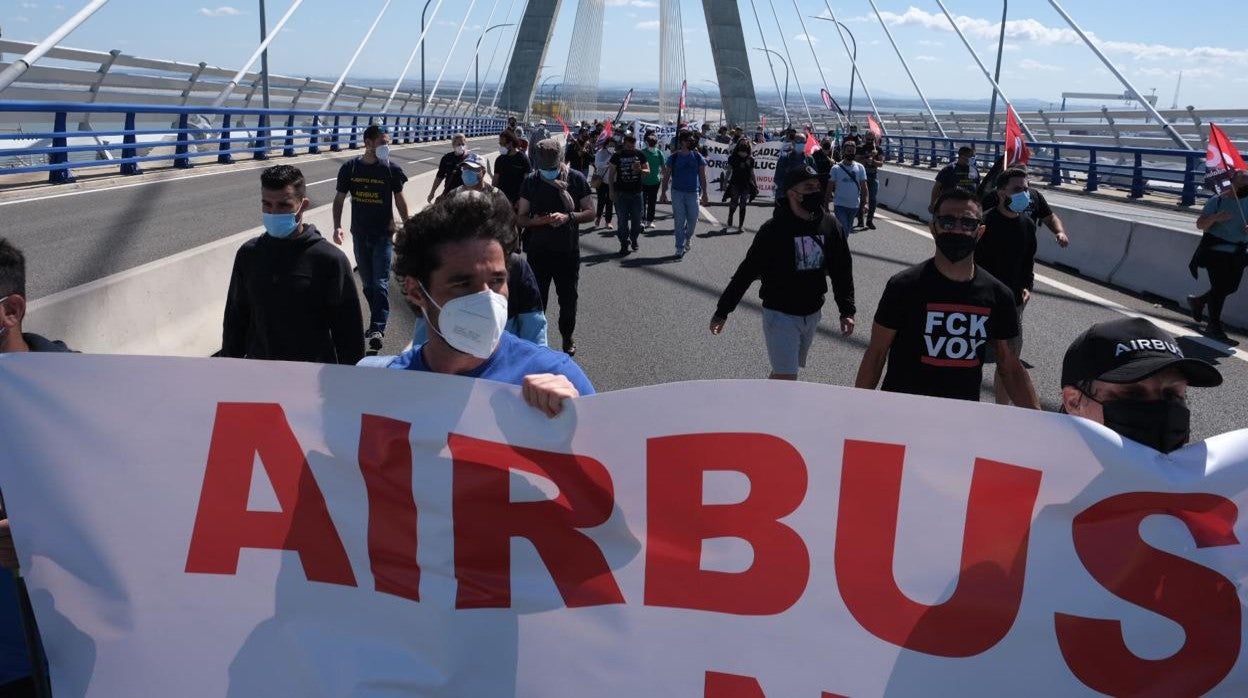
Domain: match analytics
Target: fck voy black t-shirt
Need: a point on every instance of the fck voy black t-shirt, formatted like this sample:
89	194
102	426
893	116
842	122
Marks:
943	328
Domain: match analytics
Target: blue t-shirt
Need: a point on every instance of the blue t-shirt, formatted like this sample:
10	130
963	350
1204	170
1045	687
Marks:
1233	230
510	363
685	168
847	178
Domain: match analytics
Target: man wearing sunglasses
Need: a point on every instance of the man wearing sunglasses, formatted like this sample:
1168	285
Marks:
937	319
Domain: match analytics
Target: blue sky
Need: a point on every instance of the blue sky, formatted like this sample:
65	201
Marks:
1150	39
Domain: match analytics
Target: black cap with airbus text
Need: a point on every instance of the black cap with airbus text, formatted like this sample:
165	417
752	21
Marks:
1129	350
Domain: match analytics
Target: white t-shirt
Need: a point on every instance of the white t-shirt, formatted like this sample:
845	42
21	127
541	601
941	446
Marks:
846	179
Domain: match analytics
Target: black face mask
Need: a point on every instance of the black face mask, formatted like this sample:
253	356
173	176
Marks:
955	246
812	202
1163	425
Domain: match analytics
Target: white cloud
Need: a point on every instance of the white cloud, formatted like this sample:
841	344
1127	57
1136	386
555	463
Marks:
1034	31
926	59
20	18
928	42
29	5
1033	65
222	11
802	38
648	25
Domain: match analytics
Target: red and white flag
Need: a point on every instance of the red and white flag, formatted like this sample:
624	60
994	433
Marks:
812	143
564	124
607	131
1016	150
684	86
1222	155
829	102
874	127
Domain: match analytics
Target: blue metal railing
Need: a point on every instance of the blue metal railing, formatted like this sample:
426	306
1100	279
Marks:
1092	166
225	136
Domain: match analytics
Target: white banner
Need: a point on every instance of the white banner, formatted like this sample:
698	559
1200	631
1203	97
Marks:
765	157
211	527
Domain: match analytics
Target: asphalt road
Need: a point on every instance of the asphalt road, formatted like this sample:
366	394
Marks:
75	235
643	318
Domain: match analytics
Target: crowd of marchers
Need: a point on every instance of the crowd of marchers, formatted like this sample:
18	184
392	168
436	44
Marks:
476	265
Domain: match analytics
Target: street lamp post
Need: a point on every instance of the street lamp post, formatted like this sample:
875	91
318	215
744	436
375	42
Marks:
424	105
721	97
476	56
705	99
785	99
853	70
264	58
992	111
545	80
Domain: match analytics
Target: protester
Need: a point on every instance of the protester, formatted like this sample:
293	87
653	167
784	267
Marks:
1223	251
851	136
514	127
1131	377
936	318
791	254
292	296
872	159
823	162
375	184
742	185
721	136
553	201
653	177
759	136
448	166
849	188
624	174
510	167
453	262
961	174
540	133
1007	250
792	156
15	655
1039	210
580	154
602	160
686	171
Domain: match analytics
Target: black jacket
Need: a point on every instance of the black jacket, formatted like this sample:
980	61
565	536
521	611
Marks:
773	259
293	300
40	344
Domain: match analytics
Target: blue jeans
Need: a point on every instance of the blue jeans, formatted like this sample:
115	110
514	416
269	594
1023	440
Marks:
628	210
685	214
845	216
372	256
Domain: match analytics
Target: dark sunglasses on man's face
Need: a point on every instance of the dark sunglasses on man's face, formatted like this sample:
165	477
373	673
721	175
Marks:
966	223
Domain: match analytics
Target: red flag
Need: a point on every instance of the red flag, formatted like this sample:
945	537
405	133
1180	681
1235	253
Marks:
812	143
607	130
875	127
564	124
762	120
1222	154
1016	150
684	86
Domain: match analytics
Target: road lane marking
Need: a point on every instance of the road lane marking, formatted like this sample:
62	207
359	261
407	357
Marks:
1176	330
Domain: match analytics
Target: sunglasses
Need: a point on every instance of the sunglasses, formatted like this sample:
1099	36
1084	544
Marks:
966	223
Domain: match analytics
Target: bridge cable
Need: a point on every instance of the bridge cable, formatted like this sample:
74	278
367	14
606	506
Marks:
446	62
784	107
497	42
484	28
780	28
412	57
854	62
905	65
840	118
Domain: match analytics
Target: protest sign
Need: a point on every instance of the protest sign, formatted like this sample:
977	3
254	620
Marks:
200	527
765	157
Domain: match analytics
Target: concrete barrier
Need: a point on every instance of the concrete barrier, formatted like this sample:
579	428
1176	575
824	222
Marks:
892	189
1098	243
175	305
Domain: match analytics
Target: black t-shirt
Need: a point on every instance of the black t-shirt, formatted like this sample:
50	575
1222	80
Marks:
448	169
628	179
943	329
372	188
509	173
954	176
740	169
865	155
545	199
1008	251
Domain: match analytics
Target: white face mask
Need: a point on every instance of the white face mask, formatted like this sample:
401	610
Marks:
459	149
502	150
471	324
382	152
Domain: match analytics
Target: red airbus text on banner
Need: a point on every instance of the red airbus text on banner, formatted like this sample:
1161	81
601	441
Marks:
874	127
1016	150
564	124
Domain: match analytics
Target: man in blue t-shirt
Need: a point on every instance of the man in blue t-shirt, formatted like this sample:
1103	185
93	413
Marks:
452	258
686	171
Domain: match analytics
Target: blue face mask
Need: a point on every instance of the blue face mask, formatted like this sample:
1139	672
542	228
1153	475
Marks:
471	178
550	174
1020	201
280	225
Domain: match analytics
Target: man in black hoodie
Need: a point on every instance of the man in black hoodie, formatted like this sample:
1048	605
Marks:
791	254
292	296
15	656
